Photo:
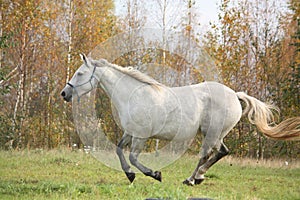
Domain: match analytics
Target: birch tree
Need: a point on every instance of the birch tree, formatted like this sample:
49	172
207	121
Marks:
251	51
38	43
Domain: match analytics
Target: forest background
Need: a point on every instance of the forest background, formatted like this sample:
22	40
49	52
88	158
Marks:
255	45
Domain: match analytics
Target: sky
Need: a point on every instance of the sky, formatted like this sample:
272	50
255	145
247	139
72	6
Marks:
206	10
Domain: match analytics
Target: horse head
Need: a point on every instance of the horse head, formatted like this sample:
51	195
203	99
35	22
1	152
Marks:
82	82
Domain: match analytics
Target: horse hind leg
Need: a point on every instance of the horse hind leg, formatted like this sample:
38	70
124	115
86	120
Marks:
216	124
212	131
126	139
215	142
220	148
206	153
223	151
137	147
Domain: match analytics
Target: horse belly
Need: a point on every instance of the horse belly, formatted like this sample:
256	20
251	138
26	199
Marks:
179	126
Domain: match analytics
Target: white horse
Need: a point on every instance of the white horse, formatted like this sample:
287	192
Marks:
147	109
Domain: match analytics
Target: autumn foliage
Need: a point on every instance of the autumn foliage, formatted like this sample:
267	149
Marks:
256	47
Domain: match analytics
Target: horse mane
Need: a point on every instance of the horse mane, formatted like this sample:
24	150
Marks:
130	71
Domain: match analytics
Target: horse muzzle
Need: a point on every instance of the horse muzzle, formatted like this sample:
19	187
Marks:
66	93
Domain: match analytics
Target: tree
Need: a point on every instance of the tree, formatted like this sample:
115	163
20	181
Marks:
36	51
251	51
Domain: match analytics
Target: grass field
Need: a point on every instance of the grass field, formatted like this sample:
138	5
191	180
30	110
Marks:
62	174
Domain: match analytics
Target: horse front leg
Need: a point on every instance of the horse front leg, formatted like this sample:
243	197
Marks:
126	139
137	147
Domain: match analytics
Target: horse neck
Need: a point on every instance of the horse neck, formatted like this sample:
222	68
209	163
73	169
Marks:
116	84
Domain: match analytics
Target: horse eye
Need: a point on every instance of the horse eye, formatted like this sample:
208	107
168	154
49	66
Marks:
80	73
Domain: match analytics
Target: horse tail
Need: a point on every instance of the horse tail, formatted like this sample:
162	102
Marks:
261	115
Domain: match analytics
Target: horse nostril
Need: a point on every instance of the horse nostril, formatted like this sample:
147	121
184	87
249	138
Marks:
63	93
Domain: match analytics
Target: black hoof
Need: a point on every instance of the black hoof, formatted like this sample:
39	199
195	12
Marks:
130	176
198	181
157	175
187	182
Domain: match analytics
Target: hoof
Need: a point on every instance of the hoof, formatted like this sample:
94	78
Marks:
188	182
157	175
198	181
130	176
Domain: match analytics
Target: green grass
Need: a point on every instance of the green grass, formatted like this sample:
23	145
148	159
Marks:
75	175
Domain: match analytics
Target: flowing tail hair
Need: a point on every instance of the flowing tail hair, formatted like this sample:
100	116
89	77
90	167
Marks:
261	115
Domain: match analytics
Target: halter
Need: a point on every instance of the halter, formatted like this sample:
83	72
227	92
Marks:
89	81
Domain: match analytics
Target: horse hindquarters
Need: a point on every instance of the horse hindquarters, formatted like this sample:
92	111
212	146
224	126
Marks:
223	111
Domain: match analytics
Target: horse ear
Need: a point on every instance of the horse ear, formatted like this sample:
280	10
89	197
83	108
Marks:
85	59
